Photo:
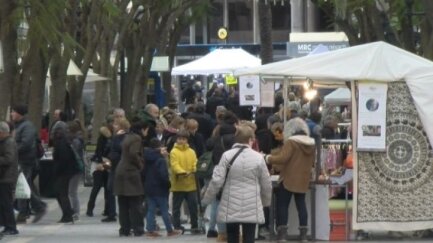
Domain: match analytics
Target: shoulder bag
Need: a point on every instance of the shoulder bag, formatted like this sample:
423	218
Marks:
218	196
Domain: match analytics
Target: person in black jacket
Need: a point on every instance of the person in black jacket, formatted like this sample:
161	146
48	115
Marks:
214	101
64	158
25	137
100	175
204	120
120	127
8	179
156	188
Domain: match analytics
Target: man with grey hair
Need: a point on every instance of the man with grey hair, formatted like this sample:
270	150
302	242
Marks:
25	137
118	113
149	115
8	179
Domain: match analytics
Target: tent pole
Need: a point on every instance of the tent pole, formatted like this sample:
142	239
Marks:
354	152
285	87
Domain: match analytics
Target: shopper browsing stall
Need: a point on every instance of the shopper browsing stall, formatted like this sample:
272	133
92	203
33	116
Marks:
294	162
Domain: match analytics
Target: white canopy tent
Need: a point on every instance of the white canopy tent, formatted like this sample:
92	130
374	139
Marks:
219	61
377	61
340	96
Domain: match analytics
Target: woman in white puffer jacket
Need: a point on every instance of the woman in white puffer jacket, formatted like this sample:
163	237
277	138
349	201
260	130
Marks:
247	188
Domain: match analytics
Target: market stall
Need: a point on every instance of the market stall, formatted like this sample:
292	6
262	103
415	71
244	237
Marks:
393	111
218	61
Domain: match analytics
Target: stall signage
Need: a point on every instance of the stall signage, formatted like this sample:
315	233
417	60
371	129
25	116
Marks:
372	116
299	49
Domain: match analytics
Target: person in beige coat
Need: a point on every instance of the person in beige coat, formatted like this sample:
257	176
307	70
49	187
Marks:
294	162
246	188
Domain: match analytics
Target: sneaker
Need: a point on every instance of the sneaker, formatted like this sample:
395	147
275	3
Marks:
174	233
153	234
76	217
139	233
9	232
66	220
39	215
108	220
212	234
196	231
21	219
89	214
180	228
124	232
263	231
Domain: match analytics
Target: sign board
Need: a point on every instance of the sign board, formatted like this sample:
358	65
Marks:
299	49
230	80
249	90
160	64
267	94
372	116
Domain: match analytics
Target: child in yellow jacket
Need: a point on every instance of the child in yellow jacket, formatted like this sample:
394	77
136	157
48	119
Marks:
183	161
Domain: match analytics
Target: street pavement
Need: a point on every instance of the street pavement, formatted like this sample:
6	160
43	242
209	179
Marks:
87	229
90	229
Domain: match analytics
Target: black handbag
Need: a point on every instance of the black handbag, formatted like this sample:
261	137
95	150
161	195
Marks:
220	193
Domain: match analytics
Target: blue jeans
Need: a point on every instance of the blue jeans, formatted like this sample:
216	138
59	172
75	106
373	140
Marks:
283	202
213	218
162	204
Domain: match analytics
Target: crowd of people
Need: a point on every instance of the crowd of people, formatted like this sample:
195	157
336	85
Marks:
148	161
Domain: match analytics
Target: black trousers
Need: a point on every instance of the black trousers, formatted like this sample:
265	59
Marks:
248	232
63	196
110	199
30	172
100	179
191	200
6	206
131	214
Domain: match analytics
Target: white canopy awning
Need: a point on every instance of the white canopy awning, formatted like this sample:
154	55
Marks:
219	61
377	61
340	96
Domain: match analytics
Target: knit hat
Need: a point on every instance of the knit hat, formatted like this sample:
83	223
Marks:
20	109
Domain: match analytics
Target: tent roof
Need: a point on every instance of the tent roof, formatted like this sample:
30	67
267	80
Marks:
340	96
219	61
377	61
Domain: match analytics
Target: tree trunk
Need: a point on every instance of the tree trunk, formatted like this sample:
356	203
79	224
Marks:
140	89
8	38
265	25
37	89
58	69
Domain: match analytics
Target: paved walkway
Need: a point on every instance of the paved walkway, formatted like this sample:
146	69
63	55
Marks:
90	229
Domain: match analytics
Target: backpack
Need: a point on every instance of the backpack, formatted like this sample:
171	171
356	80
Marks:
205	166
40	151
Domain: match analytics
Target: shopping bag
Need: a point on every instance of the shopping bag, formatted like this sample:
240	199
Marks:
22	191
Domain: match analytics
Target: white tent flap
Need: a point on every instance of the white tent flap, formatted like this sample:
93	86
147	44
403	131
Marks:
340	96
219	61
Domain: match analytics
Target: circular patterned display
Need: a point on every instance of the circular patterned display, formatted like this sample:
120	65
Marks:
408	160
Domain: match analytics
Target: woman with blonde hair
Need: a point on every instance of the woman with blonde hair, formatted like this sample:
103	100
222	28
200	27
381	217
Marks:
244	180
120	128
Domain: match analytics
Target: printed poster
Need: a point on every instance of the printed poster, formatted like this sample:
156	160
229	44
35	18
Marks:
267	93
249	90
372	116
